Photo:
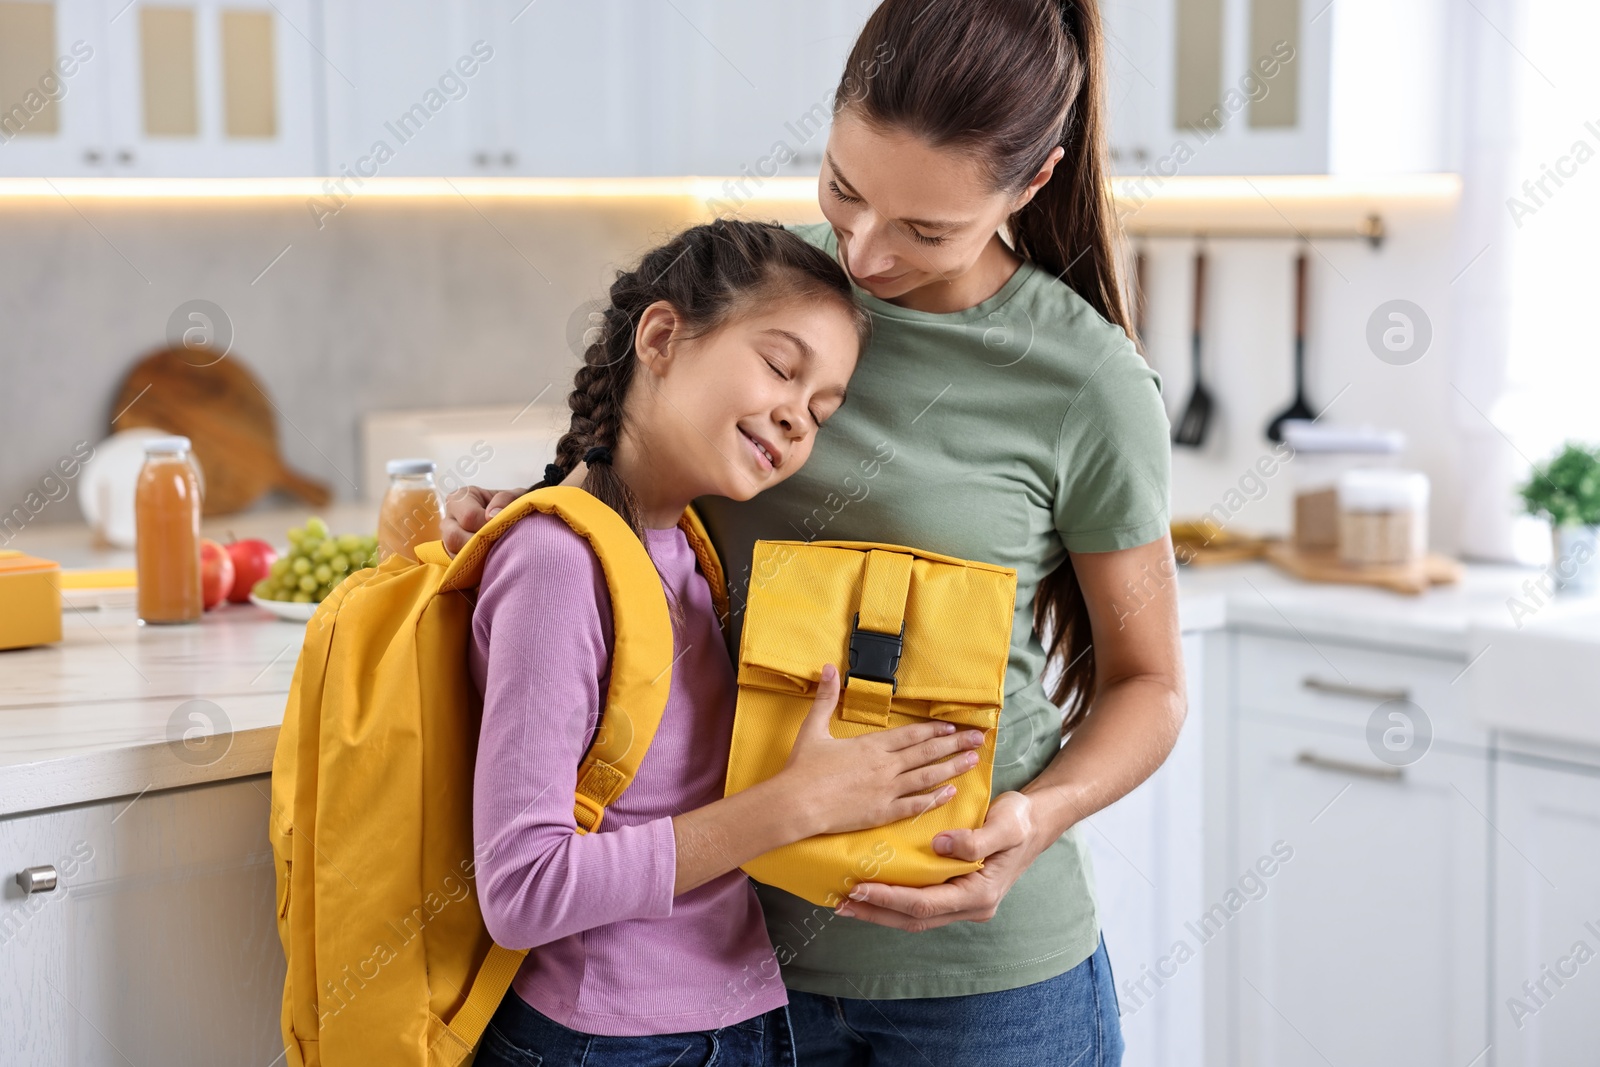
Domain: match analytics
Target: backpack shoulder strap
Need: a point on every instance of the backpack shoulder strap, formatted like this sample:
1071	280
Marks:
641	658
710	565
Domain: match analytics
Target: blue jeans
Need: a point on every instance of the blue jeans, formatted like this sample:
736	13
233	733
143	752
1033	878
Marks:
521	1036
1070	1020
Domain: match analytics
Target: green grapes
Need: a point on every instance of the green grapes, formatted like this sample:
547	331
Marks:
317	561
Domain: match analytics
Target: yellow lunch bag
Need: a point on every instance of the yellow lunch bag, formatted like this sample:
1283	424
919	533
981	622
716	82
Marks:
389	961
916	636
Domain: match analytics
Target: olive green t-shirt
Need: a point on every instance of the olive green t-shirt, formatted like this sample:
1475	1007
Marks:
1009	432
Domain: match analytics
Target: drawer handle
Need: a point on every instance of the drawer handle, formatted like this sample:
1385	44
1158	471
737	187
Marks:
37	879
1357	692
1339	766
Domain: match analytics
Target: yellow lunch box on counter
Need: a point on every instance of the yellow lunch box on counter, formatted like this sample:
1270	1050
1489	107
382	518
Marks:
30	600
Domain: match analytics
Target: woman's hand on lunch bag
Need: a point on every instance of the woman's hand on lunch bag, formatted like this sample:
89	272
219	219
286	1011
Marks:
1008	842
854	783
467	509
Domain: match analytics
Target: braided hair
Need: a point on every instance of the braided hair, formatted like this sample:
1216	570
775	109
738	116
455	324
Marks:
709	274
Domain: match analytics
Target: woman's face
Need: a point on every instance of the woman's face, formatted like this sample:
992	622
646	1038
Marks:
908	215
737	410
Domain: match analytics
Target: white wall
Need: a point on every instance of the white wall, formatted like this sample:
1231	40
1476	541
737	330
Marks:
398	304
1248	353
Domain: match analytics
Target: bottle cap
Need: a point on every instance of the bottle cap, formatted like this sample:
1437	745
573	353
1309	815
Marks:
170	443
410	466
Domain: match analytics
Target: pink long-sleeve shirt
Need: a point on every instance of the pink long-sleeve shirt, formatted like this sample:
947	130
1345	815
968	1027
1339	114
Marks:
613	952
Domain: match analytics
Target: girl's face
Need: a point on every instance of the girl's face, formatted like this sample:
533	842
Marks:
908	215
737	410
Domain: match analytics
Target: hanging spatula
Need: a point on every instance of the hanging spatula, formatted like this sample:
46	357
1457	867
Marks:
1196	418
1299	409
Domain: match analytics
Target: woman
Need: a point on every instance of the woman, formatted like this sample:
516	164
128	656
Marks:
999	413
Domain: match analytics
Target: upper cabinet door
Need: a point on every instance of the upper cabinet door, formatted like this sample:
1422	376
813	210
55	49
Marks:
1275	86
570	86
53	62
688	87
407	83
212	88
756	84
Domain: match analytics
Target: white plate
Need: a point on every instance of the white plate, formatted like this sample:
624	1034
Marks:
105	488
286	609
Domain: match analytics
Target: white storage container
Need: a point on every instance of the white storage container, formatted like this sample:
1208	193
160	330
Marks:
1383	516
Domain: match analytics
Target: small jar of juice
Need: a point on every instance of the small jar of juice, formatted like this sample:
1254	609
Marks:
412	509
166	504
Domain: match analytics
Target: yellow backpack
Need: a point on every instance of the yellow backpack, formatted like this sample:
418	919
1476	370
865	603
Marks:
925	636
371	826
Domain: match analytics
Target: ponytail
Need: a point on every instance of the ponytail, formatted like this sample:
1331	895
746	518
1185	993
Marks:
1008	81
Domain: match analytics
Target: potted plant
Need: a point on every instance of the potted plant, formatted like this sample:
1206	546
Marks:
1566	491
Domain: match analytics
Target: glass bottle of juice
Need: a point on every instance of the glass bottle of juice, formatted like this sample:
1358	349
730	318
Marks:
167	533
412	509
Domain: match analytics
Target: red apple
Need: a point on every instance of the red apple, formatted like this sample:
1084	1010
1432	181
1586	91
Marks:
252	560
216	573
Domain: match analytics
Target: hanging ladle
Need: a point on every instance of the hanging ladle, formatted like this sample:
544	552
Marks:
1299	409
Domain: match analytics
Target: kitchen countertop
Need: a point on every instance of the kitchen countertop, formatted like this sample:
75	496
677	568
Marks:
1440	622
104	712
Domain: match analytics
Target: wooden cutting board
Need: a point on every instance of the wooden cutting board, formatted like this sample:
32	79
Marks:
1431	570
218	404
1198	543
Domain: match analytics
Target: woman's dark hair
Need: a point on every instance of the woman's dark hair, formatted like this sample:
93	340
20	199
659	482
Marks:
1006	81
710	274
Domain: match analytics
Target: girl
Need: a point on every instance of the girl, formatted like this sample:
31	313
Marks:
1001	414
721	356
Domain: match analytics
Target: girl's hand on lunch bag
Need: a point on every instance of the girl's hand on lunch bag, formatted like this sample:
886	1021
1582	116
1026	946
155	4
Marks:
854	783
467	509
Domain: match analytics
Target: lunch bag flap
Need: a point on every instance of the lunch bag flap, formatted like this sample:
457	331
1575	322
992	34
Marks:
914	629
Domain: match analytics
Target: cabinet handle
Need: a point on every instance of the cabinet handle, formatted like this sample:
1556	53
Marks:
1356	692
125	155
1339	766
37	879
508	159
481	158
91	156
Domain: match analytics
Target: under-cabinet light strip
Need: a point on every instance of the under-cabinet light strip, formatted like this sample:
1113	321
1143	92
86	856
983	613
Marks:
1132	190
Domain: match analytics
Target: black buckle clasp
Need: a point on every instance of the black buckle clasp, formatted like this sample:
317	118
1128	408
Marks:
875	656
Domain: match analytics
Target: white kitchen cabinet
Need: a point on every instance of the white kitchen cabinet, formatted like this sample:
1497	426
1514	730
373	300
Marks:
692	87
159	944
574	87
754	93
199	88
1147	855
1322	112
406	95
1546	1003
1367	943
254	107
53	91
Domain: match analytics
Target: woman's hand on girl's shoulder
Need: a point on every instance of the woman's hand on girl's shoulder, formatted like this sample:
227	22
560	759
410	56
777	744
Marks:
854	783
467	509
